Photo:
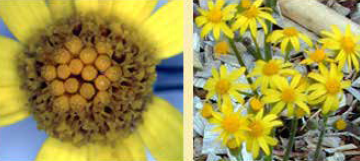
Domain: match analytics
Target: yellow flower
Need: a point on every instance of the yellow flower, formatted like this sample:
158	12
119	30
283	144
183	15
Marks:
299	112
256	104
251	16
215	19
266	72
318	56
207	110
288	35
225	85
259	132
231	144
328	89
287	95
340	124
60	68
221	48
230	124
346	46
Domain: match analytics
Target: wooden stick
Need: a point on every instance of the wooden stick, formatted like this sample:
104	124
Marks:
315	16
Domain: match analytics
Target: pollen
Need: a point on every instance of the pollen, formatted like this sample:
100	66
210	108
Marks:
63	72
288	95
71	85
113	73
77	102
102	98
61	103
87	90
48	72
231	123
256	129
102	83
348	44
215	15
340	124
103	47
256	104
74	45
207	110
88	55
222	48
62	56
333	86
271	68
290	31
57	88
89	73
102	63
318	55
222	86
76	66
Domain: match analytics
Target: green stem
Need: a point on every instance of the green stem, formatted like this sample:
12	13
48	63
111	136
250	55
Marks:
241	62
258	52
268	51
294	125
321	137
237	153
287	55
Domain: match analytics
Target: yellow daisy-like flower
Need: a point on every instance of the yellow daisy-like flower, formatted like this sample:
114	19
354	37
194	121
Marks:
288	35
230	124
340	124
251	16
287	95
215	19
267	72
225	85
85	69
256	104
328	89
258	135
347	46
318	56
207	110
221	48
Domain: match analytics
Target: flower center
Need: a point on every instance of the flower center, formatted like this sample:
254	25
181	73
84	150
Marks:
288	95
245	3
221	48
252	12
271	68
88	79
256	104
318	55
256	129
215	15
290	31
222	86
348	44
333	86
231	123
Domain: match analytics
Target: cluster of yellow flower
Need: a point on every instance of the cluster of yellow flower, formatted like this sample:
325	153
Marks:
275	83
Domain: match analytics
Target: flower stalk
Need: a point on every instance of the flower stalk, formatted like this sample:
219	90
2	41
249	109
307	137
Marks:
294	125
257	54
321	137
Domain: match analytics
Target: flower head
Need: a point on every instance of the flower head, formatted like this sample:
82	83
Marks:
288	35
251	16
256	104
225	85
258	135
266	72
207	110
221	48
287	95
328	89
215	19
340	124
319	55
346	46
230	124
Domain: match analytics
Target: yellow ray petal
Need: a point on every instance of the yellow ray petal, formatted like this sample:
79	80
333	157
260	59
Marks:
25	19
105	7
166	29
9	52
162	131
56	150
13	118
61	9
86	6
12	100
133	11
135	147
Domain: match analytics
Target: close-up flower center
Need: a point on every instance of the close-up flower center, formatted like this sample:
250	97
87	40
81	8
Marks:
290	31
256	129
271	68
256	104
318	55
288	95
215	15
252	12
222	86
332	86
89	80
221	48
348	44
231	123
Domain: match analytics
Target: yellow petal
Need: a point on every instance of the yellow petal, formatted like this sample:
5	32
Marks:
13	118
61	9
105	7
166	29
9	52
56	150
25	19
162	131
86	6
12	100
133	11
